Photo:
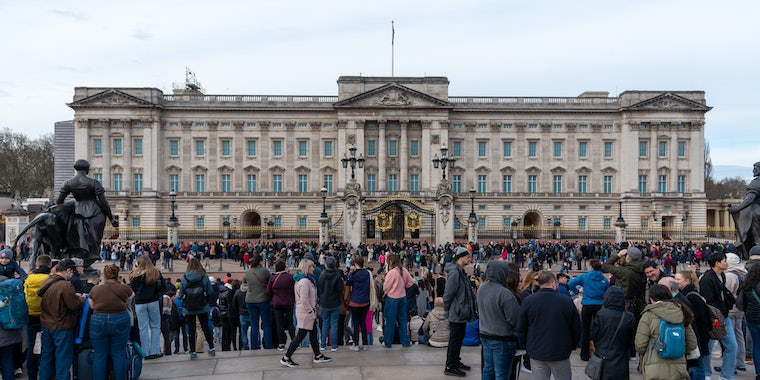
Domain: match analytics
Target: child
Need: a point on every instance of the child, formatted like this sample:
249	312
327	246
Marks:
167	304
177	325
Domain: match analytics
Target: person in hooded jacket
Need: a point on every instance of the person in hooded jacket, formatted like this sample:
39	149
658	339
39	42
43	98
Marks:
606	322
594	285
663	307
498	310
750	298
330	285
8	339
193	274
459	303
241	309
280	291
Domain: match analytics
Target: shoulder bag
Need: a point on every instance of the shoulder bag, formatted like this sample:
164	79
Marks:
596	363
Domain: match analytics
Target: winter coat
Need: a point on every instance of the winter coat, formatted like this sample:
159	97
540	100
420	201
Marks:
497	306
360	281
703	318
653	367
615	353
458	299
330	289
711	286
306	302
257	279
280	290
630	276
238	307
145	293
192	277
548	339
60	304
437	326
594	286
751	304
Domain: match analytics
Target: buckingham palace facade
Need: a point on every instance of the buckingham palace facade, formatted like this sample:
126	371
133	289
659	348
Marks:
254	166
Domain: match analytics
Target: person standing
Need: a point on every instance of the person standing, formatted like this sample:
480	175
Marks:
594	285
60	308
702	323
330	285
549	341
498	310
395	310
280	291
306	314
360	281
663	308
34	328
750	293
109	324
459	304
612	331
8	339
712	286
258	304
195	277
148	285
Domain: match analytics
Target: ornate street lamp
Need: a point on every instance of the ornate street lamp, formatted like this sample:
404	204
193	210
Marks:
473	217
173	200
352	160
324	197
444	161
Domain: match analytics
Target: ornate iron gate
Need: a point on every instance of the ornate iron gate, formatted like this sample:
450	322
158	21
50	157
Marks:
398	220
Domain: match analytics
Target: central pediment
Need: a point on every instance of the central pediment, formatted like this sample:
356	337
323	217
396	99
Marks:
392	95
668	101
111	98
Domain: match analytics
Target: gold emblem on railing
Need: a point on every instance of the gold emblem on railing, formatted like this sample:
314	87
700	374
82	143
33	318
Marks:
384	221
413	221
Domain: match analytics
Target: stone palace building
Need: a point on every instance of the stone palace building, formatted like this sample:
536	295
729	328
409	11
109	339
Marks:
249	164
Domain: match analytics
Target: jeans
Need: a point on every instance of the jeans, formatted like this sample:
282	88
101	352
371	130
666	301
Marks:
330	323
729	355
741	351
497	358
6	361
58	353
395	311
32	359
754	331
245	323
149	322
109	334
260	311
456	336
175	337
544	370
697	371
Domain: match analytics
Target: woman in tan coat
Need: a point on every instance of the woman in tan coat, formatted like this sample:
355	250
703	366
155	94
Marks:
306	314
653	367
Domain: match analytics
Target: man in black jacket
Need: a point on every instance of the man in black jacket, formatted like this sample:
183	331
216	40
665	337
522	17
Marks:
549	341
712	287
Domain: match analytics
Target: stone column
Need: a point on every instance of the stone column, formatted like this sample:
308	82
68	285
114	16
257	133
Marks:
126	154
472	229
352	214
172	233
382	156
16	218
444	214
323	230
403	154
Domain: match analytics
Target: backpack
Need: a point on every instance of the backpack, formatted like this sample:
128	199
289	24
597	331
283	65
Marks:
718	330
14	313
672	341
195	295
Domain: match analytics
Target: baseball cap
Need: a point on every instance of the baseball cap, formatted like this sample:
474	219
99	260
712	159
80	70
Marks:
69	263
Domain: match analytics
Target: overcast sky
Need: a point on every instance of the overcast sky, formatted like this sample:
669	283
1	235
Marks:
504	48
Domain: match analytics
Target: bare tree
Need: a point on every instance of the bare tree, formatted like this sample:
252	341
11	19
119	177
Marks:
26	166
708	164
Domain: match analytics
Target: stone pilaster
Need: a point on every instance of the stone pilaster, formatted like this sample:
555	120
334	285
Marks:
444	214
352	214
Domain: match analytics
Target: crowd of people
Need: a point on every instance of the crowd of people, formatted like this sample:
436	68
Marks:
497	295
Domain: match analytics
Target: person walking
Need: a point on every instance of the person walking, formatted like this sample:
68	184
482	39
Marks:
594	285
194	290
306	314
549	341
148	285
459	304
110	324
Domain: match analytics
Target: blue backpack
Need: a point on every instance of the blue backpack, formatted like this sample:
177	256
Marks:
672	341
14	313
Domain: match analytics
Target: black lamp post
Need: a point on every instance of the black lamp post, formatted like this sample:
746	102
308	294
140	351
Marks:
473	217
444	161
324	197
352	160
173	200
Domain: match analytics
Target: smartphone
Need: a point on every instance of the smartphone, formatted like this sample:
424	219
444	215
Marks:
624	245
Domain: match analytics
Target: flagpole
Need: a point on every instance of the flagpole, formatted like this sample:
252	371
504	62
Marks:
393	40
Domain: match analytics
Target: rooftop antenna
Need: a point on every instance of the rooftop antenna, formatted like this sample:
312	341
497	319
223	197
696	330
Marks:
191	81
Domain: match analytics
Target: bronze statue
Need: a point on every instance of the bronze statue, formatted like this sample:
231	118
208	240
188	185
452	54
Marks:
85	228
748	218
